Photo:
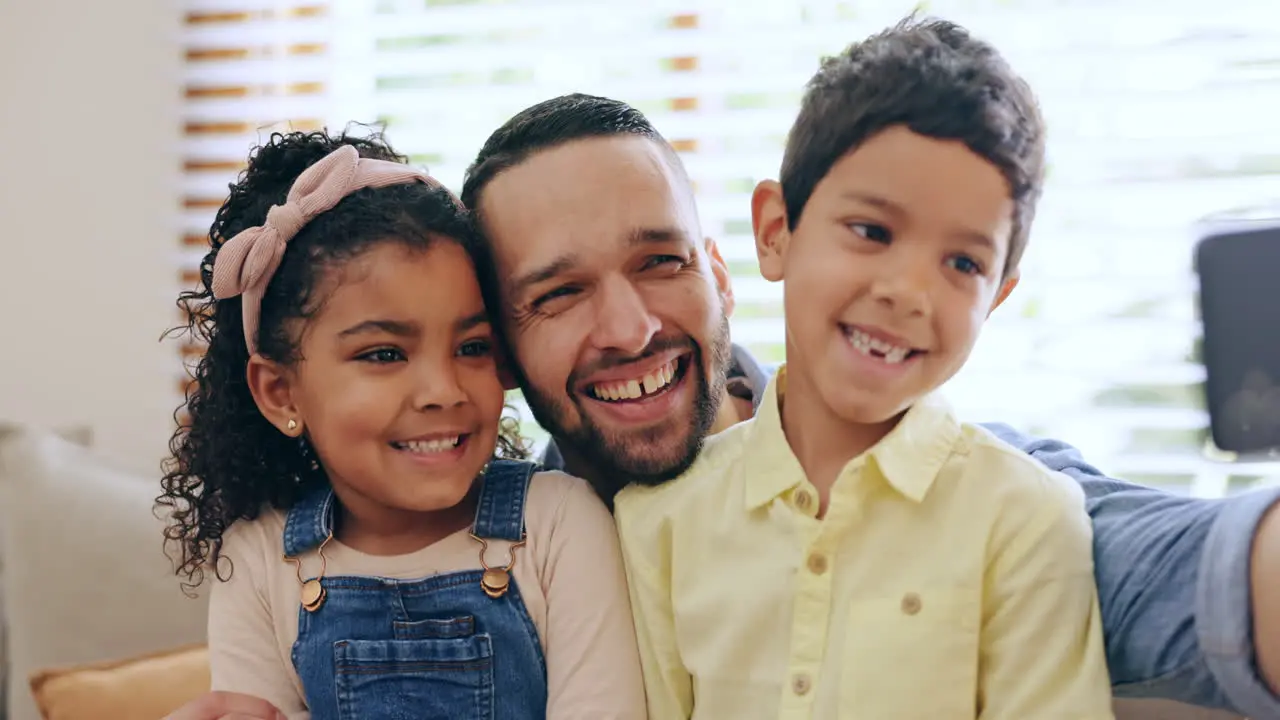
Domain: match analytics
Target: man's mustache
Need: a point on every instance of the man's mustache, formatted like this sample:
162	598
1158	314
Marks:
613	360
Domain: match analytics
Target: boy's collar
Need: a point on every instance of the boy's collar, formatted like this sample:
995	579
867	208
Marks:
909	457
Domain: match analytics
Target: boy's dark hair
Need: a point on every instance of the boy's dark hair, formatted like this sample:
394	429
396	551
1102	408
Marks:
546	125
228	462
935	78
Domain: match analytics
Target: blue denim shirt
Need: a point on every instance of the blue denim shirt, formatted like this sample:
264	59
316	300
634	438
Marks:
1172	574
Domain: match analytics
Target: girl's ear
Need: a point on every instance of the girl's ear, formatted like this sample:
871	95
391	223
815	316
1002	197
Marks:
270	384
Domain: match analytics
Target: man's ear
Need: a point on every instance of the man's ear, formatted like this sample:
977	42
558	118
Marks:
506	362
769	223
724	281
271	385
505	375
1006	288
507	378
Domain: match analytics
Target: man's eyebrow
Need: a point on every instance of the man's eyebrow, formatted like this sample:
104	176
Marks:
391	327
647	235
522	283
640	236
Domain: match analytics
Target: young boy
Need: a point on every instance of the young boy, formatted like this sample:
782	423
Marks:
855	551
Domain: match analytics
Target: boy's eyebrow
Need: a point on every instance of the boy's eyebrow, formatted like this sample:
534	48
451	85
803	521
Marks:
971	236
974	237
877	201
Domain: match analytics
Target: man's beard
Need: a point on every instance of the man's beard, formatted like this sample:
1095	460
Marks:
618	459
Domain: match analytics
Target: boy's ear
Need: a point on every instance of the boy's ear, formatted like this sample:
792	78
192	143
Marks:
769	223
1006	287
724	281
270	383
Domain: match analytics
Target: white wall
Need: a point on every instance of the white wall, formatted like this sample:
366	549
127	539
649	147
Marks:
89	169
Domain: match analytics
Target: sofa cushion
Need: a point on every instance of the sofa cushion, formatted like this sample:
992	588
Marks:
80	435
86	578
143	688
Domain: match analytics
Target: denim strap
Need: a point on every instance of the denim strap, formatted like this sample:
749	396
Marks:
309	522
500	512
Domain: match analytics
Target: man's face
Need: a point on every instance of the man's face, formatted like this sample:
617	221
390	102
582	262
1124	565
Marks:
616	308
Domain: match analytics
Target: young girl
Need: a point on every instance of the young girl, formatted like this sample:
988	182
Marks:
338	471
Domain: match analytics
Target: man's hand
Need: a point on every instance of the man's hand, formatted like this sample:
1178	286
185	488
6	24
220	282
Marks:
227	706
1266	598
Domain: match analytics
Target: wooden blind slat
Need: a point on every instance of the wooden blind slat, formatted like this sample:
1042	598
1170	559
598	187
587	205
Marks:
214	17
225	54
206	92
245	127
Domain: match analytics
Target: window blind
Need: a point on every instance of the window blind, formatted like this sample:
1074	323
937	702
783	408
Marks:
1160	112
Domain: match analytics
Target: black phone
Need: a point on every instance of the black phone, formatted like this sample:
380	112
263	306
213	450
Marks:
1237	261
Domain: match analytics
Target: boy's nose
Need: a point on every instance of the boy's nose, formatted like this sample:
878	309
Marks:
904	290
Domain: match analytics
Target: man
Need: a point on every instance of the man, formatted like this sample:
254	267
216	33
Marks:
616	312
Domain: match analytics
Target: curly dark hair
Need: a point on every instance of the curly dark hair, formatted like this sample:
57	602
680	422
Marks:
227	461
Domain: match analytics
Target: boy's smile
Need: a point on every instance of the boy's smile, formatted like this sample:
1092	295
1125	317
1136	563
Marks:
896	260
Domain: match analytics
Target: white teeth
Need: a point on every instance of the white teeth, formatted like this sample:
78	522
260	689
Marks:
435	445
896	355
875	347
637	388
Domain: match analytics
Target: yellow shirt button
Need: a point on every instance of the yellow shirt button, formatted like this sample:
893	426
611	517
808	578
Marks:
800	684
817	564
803	499
911	603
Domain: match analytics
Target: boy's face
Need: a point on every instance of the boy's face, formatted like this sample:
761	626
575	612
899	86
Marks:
897	260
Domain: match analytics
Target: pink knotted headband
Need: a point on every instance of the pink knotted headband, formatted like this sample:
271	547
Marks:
245	263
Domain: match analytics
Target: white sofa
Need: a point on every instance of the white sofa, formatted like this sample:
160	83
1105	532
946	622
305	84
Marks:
83	575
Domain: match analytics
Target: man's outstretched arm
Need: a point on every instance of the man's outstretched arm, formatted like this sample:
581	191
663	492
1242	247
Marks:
1189	588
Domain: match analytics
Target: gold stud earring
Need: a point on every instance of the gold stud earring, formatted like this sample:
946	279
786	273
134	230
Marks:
293	425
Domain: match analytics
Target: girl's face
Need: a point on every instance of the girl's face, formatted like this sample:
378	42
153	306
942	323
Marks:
398	388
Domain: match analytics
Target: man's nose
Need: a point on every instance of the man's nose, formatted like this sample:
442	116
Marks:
437	385
623	322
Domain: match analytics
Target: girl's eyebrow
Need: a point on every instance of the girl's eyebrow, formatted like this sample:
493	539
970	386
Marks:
403	328
471	321
399	328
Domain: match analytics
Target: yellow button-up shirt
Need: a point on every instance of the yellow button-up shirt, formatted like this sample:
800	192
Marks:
951	577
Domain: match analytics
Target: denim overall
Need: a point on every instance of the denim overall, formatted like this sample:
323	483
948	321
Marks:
439	648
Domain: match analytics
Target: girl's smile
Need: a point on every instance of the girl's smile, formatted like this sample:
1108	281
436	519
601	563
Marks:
399	384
